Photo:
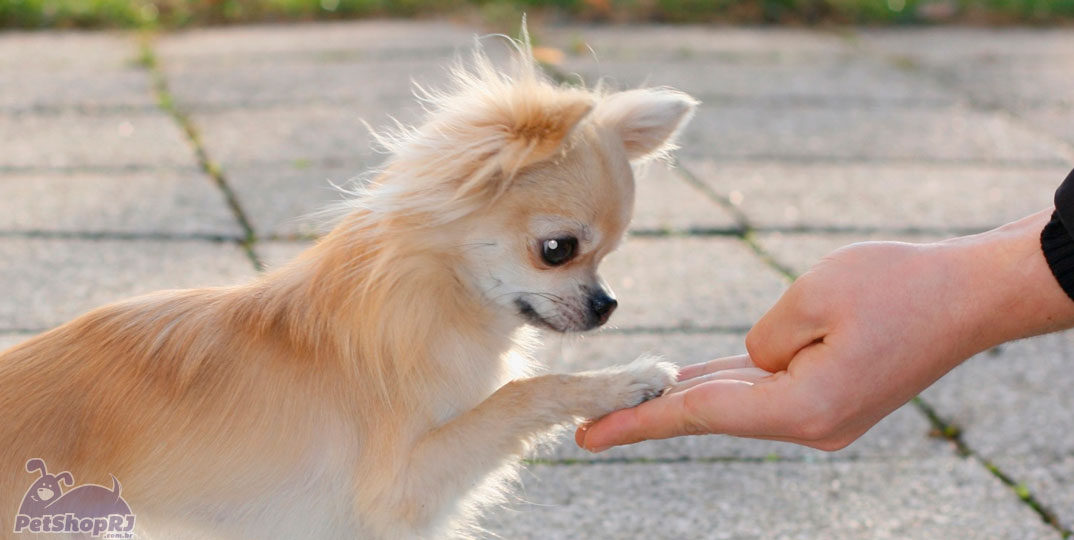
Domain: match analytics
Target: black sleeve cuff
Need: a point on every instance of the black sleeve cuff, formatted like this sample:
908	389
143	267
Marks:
1058	248
1056	240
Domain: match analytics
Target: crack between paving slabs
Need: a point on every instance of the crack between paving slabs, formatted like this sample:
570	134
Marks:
148	60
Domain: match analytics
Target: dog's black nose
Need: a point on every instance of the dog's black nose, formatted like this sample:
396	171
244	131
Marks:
601	306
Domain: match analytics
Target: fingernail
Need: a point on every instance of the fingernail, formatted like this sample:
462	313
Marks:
599	449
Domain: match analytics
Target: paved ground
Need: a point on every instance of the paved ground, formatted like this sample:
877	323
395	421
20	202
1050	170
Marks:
191	162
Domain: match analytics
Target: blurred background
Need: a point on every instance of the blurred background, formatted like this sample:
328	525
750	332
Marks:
184	13
184	143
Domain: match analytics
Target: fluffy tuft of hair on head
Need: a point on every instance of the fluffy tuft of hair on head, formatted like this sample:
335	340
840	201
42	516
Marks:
476	135
647	120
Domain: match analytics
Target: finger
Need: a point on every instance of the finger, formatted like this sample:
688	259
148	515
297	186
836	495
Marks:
659	418
730	362
788	327
683	413
748	374
579	434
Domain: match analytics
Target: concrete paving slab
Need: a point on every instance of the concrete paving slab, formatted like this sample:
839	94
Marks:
1012	405
1013	68
36	91
665	201
666	42
800	251
1055	121
689	283
144	202
1049	480
833	80
83	52
1017	84
863	134
325	41
284	200
131	139
46	282
928	498
953	45
385	84
1010	401
891	196
699	283
904	433
331	135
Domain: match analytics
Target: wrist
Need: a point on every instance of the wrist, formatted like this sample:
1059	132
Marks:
1009	289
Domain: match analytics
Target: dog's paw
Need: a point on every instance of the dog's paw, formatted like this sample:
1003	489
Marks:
626	386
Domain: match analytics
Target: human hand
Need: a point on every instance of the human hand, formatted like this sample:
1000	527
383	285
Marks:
856	337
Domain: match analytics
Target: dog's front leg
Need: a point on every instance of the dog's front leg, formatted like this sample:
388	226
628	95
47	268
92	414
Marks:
453	458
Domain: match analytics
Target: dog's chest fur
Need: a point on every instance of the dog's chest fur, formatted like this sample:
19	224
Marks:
472	369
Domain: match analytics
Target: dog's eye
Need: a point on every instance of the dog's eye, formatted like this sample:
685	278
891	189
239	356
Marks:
556	251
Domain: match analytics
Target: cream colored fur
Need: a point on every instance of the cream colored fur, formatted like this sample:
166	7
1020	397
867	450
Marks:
379	385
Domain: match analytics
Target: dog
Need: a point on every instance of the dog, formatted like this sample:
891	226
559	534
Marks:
380	385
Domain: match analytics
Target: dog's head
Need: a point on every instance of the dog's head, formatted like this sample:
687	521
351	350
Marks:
537	250
530	185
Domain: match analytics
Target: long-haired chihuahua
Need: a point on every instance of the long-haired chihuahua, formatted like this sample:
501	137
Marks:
379	385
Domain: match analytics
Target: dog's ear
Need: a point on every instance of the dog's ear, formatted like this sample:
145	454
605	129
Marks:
647	120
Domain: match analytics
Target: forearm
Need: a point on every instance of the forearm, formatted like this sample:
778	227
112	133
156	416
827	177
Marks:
1011	292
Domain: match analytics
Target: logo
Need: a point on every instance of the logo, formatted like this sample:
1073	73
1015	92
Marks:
90	509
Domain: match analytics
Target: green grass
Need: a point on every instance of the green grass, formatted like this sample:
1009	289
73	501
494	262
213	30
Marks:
183	13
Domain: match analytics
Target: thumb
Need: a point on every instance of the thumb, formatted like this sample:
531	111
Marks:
672	415
791	325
